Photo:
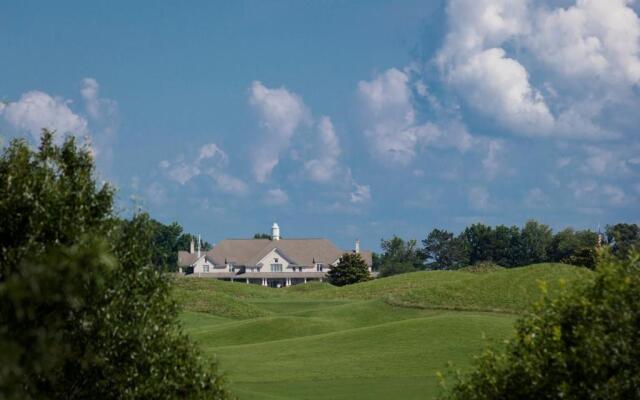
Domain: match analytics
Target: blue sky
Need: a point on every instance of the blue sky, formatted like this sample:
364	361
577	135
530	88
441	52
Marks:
359	119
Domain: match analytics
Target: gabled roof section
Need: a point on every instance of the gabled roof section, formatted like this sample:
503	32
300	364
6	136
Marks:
249	252
186	259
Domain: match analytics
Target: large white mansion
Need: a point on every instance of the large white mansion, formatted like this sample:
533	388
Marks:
271	262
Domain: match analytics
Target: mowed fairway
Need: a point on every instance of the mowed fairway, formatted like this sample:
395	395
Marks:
358	342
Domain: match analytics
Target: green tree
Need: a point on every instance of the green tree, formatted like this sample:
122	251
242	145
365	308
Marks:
574	247
262	236
391	267
583	344
83	311
400	251
444	251
479	242
535	241
350	269
506	246
623	238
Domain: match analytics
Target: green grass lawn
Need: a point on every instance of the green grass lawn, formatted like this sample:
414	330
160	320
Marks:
381	339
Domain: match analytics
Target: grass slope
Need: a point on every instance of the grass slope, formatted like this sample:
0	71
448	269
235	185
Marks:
316	341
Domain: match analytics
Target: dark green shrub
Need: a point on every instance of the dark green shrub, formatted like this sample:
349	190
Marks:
351	269
583	344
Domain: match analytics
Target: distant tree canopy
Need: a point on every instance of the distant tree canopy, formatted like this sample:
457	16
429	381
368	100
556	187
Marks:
583	344
507	246
350	269
83	311
262	236
167	240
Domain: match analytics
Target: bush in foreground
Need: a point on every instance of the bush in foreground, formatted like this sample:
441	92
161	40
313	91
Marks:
584	344
83	312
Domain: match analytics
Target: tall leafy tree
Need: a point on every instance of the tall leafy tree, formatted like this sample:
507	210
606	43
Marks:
398	250
535	240
623	238
443	250
479	239
83	311
506	246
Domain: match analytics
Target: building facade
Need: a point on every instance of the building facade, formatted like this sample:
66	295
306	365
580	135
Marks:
274	262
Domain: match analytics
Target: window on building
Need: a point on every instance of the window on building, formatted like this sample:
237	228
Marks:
205	268
276	267
275	260
319	267
232	268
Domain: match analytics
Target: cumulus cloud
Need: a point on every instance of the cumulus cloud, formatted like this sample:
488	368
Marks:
536	198
491	162
589	48
36	110
390	122
590	39
209	161
360	194
324	166
499	86
276	197
280	113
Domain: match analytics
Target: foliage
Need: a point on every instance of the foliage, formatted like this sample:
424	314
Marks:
262	236
536	238
391	267
350	269
584	344
167	240
623	238
83	312
445	250
397	252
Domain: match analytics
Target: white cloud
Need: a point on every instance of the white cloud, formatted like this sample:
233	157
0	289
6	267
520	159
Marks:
491	163
536	198
210	162
591	48
601	161
212	151
478	198
360	194
36	110
499	86
280	113
590	39
229	184
615	195
324	167
276	197
390	123
180	172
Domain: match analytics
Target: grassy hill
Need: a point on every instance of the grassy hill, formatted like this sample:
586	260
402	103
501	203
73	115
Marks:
378	339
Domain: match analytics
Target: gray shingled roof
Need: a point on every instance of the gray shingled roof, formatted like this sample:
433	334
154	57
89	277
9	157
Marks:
248	252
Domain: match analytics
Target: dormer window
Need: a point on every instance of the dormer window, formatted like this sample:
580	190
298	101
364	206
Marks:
276	260
319	267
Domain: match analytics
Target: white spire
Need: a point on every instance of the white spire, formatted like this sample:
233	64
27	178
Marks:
199	245
357	246
275	232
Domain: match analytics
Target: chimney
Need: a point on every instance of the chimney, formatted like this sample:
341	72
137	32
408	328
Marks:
199	246
275	232
357	246
192	248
